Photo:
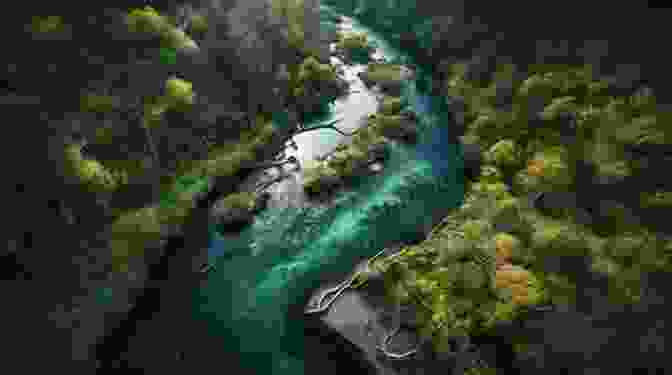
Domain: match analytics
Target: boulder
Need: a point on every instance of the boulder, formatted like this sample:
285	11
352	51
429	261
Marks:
458	114
392	87
378	152
471	155
410	115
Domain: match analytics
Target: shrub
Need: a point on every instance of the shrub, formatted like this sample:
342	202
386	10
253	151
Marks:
497	190
47	24
547	170
507	245
476	229
91	173
559	106
97	103
130	235
503	153
179	92
518	285
391	106
148	20
556	239
243	200
198	23
490	174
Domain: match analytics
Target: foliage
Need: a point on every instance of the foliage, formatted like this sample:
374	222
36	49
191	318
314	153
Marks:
308	73
657	199
178	92
503	153
518	285
352	41
47	24
97	103
476	229
507	246
148	20
354	46
91	173
391	106
554	239
382	72
346	162
293	12
130	234
498	190
547	169
366	137
198	23
243	200
384	124
558	106
490	174
315	175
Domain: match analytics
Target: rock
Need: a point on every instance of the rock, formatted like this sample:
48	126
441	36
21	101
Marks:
480	68
553	203
379	152
261	203
327	351
410	115
364	317
365	80
394	88
504	93
471	155
458	112
376	168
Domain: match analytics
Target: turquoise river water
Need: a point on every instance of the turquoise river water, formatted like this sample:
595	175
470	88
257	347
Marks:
289	248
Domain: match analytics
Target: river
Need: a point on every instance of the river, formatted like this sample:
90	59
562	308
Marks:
294	244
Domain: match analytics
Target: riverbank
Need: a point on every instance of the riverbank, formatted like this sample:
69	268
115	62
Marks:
158	92
167	91
549	207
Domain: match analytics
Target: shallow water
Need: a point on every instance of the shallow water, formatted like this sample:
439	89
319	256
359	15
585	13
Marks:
293	244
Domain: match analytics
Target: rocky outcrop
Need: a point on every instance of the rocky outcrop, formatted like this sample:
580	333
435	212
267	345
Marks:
383	335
